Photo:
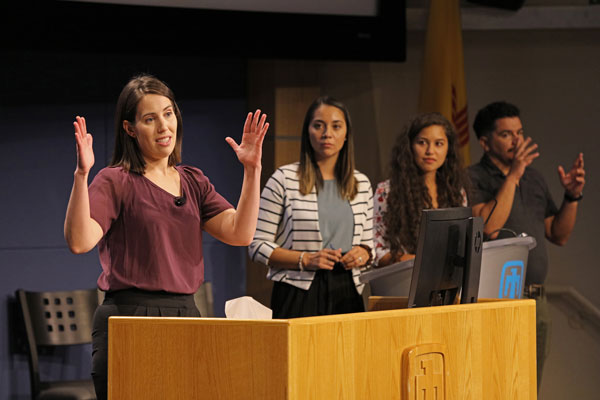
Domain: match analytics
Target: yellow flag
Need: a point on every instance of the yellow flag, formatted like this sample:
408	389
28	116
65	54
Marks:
443	77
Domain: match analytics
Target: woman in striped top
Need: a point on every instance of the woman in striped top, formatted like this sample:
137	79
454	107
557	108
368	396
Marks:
315	228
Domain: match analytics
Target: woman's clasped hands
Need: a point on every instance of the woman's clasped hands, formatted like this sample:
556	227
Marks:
327	258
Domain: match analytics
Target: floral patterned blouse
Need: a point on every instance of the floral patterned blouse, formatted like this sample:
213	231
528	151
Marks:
382	247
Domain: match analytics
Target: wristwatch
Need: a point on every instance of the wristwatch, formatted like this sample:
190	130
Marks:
571	199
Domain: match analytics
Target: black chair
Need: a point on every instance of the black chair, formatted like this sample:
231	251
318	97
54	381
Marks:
57	319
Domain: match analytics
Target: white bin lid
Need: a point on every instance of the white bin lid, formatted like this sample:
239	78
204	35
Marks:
528	241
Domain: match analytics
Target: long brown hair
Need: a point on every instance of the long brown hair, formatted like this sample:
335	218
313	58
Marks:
127	153
309	173
408	193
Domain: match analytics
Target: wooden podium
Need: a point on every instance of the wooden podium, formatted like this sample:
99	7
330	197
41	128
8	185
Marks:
475	351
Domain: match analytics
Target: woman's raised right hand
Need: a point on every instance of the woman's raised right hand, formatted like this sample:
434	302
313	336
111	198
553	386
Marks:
85	151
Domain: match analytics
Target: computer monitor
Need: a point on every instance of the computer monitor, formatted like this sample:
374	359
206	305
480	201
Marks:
448	258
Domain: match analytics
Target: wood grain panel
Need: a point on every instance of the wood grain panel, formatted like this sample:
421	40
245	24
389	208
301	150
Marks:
286	151
490	354
188	358
491	351
291	104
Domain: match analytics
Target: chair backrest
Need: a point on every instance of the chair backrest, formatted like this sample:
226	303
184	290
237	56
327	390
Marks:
55	319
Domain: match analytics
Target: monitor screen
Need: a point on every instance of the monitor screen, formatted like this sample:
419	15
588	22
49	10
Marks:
448	258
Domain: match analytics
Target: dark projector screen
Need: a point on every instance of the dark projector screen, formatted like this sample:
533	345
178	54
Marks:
55	25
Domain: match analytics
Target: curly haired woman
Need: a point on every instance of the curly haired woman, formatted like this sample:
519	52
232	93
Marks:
425	172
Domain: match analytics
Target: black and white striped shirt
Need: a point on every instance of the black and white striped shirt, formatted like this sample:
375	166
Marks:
290	220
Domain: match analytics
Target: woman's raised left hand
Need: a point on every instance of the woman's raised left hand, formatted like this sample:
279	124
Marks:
249	151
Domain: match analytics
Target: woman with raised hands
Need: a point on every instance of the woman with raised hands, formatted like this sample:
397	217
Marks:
146	212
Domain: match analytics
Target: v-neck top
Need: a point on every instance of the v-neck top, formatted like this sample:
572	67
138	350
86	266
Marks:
150	242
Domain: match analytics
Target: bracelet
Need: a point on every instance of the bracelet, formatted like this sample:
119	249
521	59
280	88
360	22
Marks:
300	266
572	199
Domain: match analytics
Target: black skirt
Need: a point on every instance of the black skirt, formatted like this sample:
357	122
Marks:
131	302
331	292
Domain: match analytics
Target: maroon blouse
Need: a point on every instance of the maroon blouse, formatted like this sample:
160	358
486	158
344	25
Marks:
150	242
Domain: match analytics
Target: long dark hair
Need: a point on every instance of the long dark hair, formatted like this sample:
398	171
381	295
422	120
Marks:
309	173
408	193
127	153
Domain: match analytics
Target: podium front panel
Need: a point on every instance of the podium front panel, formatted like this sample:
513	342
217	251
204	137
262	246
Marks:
489	354
196	358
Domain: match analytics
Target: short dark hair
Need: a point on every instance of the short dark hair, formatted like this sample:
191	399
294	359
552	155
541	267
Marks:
127	153
485	120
